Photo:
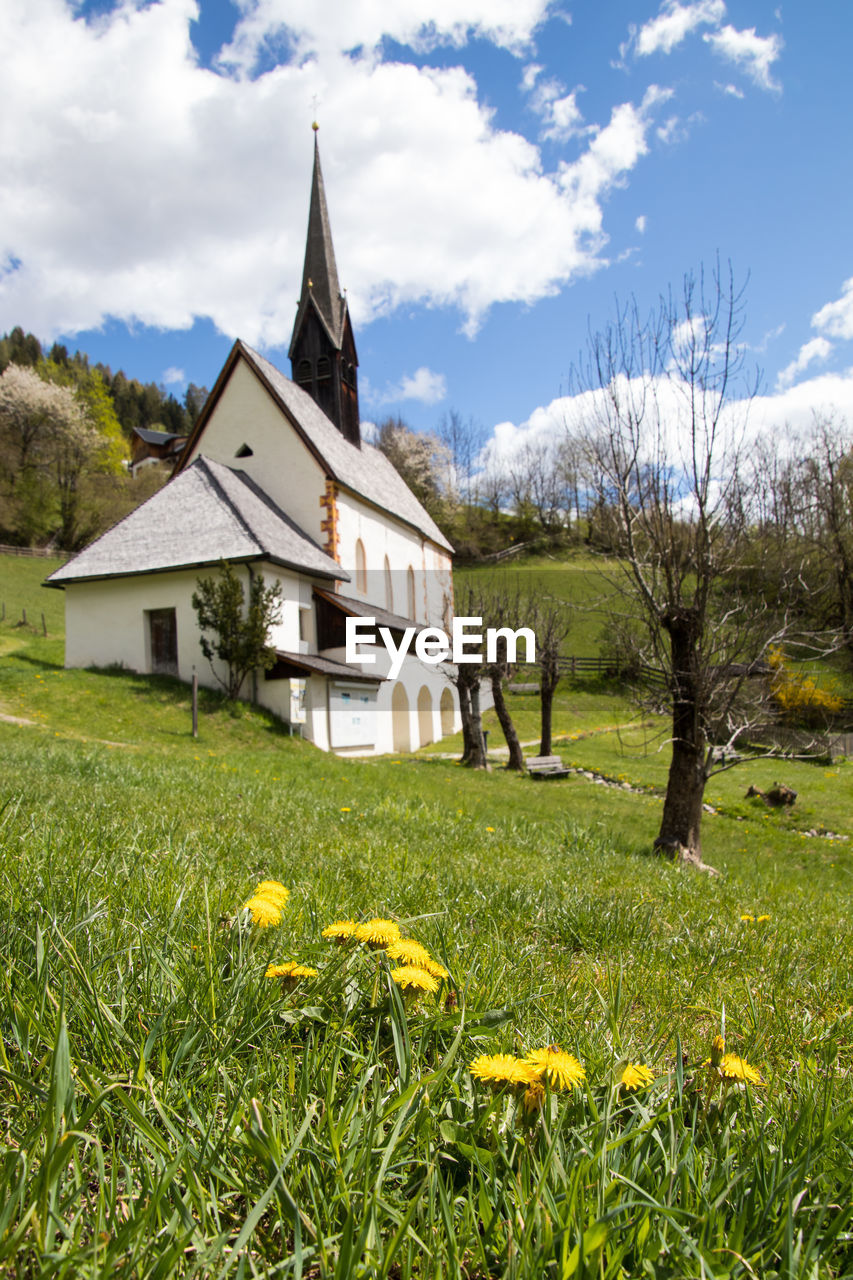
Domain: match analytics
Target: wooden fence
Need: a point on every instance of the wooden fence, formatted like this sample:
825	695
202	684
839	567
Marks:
47	552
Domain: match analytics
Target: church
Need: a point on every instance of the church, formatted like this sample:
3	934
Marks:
276	479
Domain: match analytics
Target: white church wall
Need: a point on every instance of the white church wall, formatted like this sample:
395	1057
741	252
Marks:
245	414
383	536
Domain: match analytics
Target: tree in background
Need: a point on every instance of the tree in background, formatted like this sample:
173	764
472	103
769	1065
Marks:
663	424
423	462
239	631
57	429
501	604
552	623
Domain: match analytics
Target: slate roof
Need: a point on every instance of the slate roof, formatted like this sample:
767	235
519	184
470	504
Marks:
206	514
362	609
323	666
155	437
365	471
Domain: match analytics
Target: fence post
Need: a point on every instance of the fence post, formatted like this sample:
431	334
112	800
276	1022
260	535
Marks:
195	704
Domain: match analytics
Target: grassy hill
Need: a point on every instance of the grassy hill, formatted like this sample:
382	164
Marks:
168	1109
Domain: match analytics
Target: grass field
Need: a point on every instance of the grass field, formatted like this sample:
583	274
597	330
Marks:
168	1109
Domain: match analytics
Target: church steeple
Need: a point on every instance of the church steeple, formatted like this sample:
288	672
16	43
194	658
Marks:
322	351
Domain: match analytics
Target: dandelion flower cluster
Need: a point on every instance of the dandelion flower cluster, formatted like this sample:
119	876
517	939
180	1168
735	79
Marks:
636	1076
412	977
733	1067
267	903
409	951
341	930
503	1068
290	969
264	911
730	1067
561	1070
378	933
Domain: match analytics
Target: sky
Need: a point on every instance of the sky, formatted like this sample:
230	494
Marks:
501	175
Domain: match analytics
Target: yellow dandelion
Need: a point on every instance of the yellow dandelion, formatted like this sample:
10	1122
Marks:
748	919
264	912
274	891
290	969
534	1096
491	829
503	1068
340	931
377	932
560	1069
761	919
733	1067
409	951
413	977
437	970
718	1048
636	1076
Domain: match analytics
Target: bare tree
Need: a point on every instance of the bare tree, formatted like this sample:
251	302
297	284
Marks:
823	501
467	678
503	605
664	423
552	627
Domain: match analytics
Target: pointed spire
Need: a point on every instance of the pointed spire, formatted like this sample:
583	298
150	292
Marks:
320	273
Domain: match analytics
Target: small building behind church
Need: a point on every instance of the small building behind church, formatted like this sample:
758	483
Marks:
276	479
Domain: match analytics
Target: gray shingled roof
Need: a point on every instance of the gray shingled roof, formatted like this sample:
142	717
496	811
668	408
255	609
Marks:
148	436
324	667
363	609
365	471
206	514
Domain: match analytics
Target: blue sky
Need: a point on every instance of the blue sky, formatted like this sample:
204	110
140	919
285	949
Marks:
497	172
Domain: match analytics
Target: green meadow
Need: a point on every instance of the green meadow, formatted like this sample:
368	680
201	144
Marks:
168	1109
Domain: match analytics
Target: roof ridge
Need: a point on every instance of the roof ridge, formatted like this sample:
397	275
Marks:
209	464
273	506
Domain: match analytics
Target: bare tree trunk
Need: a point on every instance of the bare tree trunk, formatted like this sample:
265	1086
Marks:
473	751
549	676
516	758
680	832
477	758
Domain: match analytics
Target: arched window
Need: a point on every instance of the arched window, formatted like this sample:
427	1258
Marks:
389	587
410	584
303	373
360	567
324	368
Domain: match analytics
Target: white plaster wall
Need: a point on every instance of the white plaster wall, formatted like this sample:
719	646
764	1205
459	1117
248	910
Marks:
281	464
382	535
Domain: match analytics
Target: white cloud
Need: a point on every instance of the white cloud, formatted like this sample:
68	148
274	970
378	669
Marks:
793	408
640	224
675	22
836	318
730	90
817	349
423	385
754	54
174	376
362	24
140	185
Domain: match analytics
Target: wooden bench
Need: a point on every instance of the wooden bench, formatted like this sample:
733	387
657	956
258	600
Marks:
546	767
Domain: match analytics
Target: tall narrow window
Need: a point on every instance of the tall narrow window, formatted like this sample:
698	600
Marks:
360	567
410	583
389	587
